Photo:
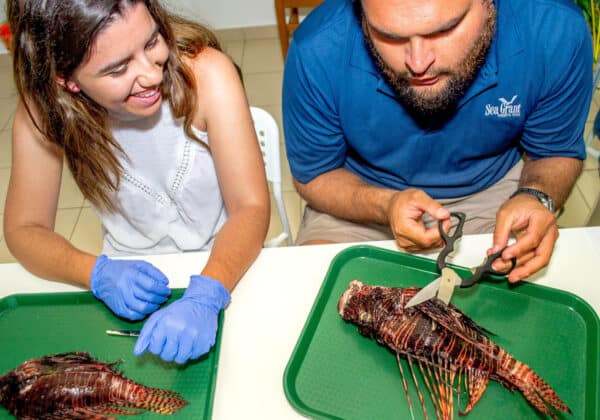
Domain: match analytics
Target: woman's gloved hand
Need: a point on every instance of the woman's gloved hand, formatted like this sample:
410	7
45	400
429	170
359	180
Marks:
131	289
186	329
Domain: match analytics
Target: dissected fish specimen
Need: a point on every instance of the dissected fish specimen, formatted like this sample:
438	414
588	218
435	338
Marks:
445	345
76	386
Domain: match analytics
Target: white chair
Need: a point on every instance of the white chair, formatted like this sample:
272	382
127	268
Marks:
267	132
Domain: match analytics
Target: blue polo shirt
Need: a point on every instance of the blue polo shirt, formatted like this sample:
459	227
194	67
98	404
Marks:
532	95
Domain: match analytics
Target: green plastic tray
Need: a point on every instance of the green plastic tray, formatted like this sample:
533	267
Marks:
334	372
33	325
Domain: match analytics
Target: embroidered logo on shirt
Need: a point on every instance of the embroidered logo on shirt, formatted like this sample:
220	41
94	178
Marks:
505	109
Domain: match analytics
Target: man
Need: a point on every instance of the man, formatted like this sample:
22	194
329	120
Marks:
397	112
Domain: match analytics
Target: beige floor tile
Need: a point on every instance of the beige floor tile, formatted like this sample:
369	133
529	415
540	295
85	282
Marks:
589	185
595	216
264	88
587	131
4	178
9	122
261	32
576	211
5	255
235	50
7	84
262	56
234	34
594	107
5	148
5	62
591	162
66	219
87	235
7	109
70	195
292	208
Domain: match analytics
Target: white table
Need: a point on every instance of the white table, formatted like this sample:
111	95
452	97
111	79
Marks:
271	304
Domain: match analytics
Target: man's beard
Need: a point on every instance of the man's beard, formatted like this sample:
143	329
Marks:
435	110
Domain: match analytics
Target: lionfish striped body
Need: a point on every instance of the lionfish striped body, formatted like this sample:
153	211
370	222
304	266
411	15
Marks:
76	386
445	345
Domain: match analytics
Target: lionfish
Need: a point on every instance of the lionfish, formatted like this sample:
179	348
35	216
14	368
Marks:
74	385
445	345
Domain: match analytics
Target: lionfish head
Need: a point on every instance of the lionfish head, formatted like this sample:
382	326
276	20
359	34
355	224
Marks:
355	302
9	387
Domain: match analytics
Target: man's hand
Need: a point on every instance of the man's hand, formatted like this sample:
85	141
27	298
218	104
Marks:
405	214
536	231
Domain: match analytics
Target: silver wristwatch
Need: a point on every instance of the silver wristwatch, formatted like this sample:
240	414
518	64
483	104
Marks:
544	198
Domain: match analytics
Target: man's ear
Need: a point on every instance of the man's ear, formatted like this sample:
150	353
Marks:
70	85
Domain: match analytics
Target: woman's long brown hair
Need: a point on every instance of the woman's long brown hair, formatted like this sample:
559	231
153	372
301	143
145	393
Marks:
50	40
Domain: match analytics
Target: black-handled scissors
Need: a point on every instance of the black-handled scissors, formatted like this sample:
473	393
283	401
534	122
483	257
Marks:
432	289
486	268
450	238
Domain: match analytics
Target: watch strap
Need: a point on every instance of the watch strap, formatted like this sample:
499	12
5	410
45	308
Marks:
542	197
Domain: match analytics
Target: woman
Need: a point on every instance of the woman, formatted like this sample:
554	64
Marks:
153	122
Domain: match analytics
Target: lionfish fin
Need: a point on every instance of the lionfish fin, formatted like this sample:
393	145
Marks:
504	382
405	386
431	381
457	323
113	408
76	414
445	376
548	395
73	362
157	400
477	382
414	378
534	399
534	388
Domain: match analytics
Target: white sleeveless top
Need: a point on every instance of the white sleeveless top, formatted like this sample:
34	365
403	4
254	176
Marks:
169	199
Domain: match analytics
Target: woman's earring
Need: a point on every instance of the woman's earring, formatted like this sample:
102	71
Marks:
72	87
69	85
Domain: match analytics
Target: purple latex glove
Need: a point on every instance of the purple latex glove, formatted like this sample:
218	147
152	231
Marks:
186	329
130	288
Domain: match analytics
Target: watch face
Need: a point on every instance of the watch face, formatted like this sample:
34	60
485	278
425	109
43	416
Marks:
546	201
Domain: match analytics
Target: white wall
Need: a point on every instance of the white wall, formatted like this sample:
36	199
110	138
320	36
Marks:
224	14
2	10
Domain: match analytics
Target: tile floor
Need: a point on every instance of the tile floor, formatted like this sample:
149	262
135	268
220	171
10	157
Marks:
257	52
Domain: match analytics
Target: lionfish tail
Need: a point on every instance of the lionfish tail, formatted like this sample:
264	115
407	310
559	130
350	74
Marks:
537	391
160	401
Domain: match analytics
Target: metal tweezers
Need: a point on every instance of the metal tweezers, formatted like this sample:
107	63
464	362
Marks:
123	333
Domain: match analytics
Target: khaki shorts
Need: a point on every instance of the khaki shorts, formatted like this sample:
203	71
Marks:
480	209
